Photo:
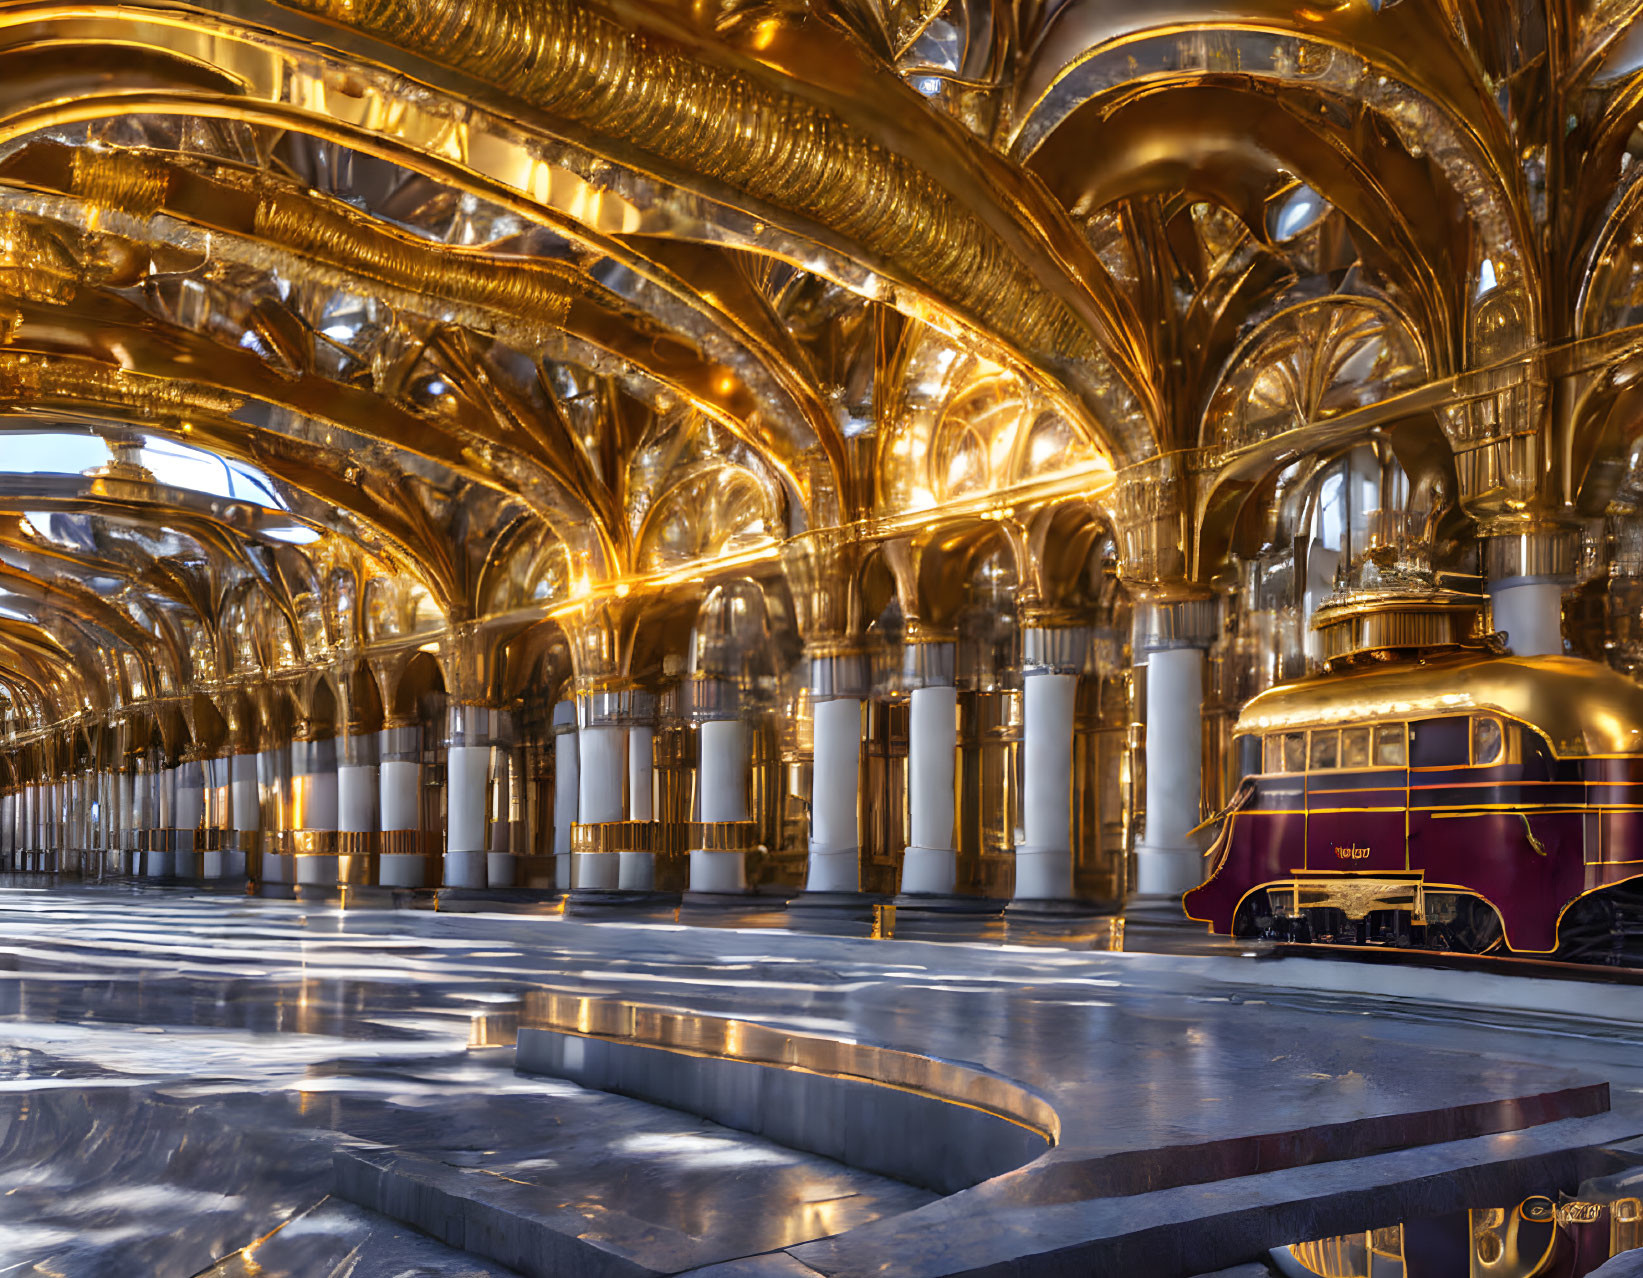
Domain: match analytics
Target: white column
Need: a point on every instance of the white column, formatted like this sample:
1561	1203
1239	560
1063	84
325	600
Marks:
244	814
49	817
1169	860
641	772
27	820
246	803
275	784
602	770
498	850
721	782
566	790
467	774
96	814
40	821
314	810
1531	614
314	784
1321	563
84	836
140	825
125	800
399	777
357	789
189	816
835	836
161	860
1044	860
8	842
219	817
930	863
636	871
64	810
107	818
65	821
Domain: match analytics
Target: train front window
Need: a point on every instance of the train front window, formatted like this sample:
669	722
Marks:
1326	748
1440	743
1354	747
1487	740
1294	752
1389	745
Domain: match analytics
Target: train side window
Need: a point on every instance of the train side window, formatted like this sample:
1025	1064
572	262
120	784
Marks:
1354	747
1273	746
1440	743
1487	740
1389	745
1294	752
1326	748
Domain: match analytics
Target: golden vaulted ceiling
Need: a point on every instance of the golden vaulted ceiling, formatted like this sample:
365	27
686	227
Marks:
337	331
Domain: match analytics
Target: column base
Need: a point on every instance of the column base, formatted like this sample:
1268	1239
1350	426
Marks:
1170	872
403	869
593	902
946	904
716	904
714	873
636	871
836	913
596	871
929	871
833	871
466	870
501	870
225	863
1039	911
278	868
318	869
1043	875
515	900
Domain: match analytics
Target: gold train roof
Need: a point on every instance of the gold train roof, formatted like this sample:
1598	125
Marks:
1582	707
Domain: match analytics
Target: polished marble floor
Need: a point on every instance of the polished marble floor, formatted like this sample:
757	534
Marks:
178	1071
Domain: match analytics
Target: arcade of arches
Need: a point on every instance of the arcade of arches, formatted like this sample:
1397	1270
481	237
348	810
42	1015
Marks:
838	446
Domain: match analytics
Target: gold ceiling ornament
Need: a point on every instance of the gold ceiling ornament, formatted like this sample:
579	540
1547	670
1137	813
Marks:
572	62
362	246
36	264
27	380
121	180
647	82
540	318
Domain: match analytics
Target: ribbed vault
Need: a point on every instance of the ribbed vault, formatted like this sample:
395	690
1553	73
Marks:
347	345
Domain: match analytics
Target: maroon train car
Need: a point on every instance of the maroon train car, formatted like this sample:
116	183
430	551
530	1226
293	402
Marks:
1468	802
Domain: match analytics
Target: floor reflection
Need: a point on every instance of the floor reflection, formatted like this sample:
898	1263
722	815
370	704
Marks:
176	1076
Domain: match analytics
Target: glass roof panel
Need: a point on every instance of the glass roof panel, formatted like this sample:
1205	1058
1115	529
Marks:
50	452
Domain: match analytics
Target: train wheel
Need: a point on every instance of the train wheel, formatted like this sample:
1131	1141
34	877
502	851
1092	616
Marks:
1605	927
1256	920
1475	929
